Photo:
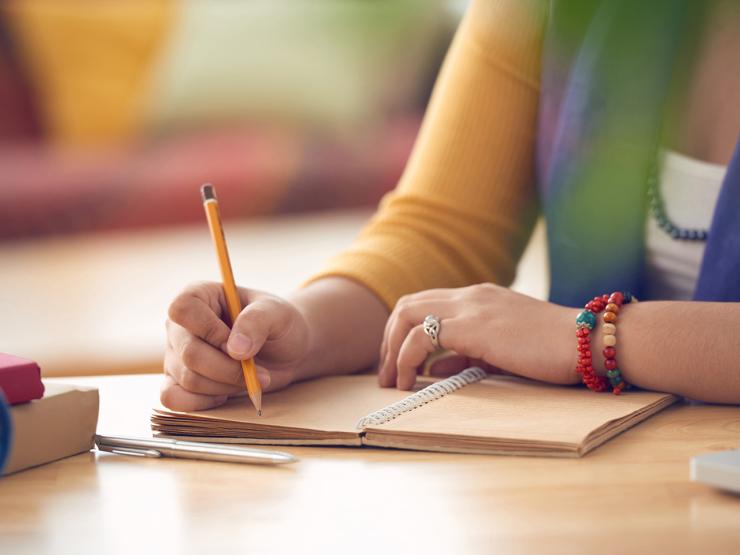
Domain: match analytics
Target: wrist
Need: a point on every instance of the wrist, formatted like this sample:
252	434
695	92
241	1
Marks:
309	364
567	354
345	323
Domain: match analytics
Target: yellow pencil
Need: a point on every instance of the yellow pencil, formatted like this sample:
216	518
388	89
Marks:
254	389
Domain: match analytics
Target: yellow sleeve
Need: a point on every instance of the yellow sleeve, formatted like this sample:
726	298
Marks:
466	203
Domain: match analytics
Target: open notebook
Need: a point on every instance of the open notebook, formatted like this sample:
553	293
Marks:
466	413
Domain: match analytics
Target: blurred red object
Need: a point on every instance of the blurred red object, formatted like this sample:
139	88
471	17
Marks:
261	170
20	379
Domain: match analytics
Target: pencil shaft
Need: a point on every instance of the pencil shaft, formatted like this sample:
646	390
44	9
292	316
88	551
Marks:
233	303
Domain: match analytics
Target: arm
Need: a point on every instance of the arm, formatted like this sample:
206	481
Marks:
687	348
345	321
461	214
465	205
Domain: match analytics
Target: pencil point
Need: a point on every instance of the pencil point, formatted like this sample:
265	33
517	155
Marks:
207	192
256	398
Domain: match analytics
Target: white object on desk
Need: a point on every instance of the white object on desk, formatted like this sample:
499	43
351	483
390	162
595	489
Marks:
721	470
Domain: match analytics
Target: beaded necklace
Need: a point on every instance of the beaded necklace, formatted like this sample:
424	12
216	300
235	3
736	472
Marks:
657	209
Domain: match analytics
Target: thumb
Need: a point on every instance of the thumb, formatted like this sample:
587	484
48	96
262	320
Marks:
254	326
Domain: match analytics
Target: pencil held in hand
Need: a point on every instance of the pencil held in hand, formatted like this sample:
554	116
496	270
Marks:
210	203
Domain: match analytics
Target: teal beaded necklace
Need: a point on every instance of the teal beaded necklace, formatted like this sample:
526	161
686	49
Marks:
657	209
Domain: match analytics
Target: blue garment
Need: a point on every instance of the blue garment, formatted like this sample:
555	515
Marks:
6	431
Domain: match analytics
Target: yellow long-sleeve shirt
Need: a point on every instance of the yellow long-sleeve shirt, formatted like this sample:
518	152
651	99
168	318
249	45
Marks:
465	205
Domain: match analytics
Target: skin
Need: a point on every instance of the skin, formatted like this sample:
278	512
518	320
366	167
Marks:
336	326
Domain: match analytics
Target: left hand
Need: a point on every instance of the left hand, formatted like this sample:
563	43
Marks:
483	323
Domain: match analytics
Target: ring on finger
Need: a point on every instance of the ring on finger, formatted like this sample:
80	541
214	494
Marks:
431	327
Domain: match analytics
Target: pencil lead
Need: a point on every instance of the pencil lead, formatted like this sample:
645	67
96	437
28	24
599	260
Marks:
259	413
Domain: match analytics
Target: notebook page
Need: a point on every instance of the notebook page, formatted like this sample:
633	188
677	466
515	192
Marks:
332	404
510	408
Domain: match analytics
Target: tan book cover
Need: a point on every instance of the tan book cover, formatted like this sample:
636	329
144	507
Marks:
477	414
59	425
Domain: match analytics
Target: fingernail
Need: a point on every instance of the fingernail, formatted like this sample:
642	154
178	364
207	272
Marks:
264	378
239	344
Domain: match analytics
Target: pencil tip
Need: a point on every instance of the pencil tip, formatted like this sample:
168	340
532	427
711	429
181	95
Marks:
207	192
256	398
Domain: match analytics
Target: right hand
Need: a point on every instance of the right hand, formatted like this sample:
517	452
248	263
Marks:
202	361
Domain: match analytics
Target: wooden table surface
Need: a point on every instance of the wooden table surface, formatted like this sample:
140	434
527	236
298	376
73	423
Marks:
632	495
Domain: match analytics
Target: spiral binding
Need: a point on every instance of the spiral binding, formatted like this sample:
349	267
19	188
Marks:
422	397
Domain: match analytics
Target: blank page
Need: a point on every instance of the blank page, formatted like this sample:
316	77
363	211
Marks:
512	408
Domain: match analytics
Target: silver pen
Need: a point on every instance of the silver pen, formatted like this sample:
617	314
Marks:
160	447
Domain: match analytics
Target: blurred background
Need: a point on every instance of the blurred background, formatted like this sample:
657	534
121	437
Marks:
113	113
110	110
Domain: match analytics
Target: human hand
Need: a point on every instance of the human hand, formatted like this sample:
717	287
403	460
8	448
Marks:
486	325
202	360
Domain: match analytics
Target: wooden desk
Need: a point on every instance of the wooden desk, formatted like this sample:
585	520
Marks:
631	495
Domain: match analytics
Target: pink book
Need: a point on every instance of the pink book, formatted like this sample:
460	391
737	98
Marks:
20	379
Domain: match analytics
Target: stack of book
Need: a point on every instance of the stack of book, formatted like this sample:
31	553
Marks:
39	422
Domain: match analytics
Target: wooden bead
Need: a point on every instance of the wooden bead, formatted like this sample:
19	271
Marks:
609	317
610	340
610	329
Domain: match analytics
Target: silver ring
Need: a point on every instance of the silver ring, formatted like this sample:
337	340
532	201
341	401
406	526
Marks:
431	328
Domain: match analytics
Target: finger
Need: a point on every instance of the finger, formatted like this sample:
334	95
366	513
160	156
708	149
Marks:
405	315
198	309
276	379
264	319
175	397
417	347
450	364
203	358
406	318
428	295
192	381
414	349
195	382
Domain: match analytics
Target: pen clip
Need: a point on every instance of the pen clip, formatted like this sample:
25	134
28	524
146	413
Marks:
148	453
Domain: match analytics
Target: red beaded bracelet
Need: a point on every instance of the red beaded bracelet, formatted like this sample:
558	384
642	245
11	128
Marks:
585	322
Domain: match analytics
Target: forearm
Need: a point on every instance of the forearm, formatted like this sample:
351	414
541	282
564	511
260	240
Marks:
346	322
688	348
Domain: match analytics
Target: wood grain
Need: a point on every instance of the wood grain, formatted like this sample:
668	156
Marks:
631	495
